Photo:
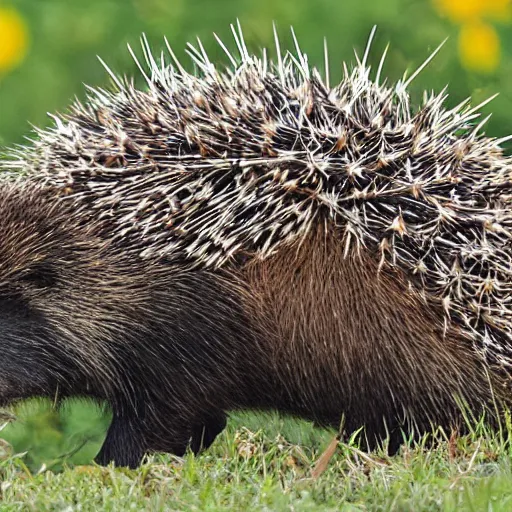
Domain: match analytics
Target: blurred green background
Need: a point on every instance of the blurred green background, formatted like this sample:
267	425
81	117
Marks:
48	51
48	48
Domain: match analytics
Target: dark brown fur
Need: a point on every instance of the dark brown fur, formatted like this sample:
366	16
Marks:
307	331
344	337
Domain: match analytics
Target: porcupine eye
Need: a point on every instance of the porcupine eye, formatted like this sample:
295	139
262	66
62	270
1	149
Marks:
41	275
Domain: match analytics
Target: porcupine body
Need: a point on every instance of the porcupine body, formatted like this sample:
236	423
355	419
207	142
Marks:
255	238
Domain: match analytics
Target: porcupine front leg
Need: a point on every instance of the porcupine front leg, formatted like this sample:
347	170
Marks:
129	438
204	433
125	444
183	433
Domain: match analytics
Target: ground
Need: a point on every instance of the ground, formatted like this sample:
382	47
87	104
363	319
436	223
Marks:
265	462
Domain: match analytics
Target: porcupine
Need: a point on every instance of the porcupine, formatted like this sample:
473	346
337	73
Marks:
254	238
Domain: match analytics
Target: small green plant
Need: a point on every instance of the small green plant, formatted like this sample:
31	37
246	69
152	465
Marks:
261	462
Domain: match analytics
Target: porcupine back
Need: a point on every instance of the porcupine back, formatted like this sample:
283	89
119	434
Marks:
222	168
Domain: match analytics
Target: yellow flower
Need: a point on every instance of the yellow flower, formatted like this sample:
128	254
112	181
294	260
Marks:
13	38
479	47
461	11
500	10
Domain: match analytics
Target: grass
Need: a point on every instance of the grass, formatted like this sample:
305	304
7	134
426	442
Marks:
264	462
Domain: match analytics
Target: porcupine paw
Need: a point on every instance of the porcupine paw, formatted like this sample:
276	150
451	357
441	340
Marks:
204	433
124	444
196	435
